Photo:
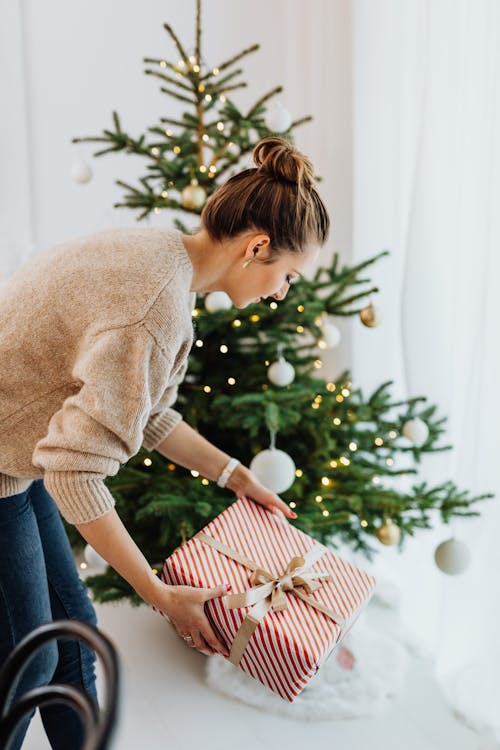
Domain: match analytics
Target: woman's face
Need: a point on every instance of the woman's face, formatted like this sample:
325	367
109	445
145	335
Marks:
259	280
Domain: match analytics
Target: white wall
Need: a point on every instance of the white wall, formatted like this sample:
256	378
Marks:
68	65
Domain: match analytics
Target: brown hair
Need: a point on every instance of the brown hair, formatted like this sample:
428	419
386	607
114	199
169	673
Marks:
277	196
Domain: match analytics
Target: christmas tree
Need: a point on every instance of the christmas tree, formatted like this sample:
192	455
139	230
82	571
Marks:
254	386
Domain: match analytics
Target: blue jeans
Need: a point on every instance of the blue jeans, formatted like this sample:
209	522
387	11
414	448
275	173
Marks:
39	583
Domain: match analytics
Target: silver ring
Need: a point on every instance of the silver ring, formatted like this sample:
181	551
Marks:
187	637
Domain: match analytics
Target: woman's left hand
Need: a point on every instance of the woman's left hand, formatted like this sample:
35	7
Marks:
244	482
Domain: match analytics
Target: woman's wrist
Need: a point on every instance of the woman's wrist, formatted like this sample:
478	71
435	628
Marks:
239	479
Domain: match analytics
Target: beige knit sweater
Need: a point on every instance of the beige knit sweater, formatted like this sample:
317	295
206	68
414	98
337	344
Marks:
94	339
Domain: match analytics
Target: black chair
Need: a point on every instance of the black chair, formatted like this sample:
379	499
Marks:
99	724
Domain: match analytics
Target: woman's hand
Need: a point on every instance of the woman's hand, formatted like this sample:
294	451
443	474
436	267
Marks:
244	482
184	607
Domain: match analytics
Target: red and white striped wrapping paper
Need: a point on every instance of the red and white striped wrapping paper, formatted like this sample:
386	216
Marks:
288	647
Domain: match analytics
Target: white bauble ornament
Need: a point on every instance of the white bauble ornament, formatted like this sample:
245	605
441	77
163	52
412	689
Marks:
281	373
278	119
416	430
452	557
94	559
331	333
274	468
215	301
81	172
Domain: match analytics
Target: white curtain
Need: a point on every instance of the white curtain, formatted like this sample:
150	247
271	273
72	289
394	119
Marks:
426	98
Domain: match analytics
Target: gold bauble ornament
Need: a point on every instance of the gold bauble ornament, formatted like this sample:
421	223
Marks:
389	533
370	316
193	196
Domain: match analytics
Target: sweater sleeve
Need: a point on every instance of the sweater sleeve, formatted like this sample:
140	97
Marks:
164	419
121	373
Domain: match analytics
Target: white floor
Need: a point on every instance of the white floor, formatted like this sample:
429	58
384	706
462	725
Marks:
166	704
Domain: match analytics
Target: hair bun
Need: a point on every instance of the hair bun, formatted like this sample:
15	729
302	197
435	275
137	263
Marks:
283	161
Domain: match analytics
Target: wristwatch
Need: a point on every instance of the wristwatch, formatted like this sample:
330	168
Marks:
227	471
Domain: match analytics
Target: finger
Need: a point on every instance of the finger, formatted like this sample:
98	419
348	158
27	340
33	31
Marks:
280	508
216	591
200	644
212	641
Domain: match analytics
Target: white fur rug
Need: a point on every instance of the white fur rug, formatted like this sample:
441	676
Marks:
359	679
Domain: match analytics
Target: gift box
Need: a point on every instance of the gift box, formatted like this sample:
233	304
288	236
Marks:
293	600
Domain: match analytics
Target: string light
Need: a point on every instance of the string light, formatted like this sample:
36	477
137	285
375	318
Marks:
315	405
203	169
300	329
83	565
318	498
326	513
216	71
389	461
339	398
292	504
201	89
196	68
267	363
333	464
298	472
176	149
222	98
154	571
168	132
192	59
231	381
171	467
180	64
155	151
220	126
378	441
345	392
157	210
322	344
255	318
196	312
330	387
163	64
325	481
147	462
273	306
212	169
376	480
208	98
364	523
300	308
236	323
164	194
223	348
353	446
318	364
336	421
205	481
207	389
344	460
393	434
205	137
195	473
198	343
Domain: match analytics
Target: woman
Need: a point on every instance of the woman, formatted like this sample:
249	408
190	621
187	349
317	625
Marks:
94	342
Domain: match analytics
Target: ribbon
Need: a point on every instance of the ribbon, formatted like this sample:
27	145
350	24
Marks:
268	591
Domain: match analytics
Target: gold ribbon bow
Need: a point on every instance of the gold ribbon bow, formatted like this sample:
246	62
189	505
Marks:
268	591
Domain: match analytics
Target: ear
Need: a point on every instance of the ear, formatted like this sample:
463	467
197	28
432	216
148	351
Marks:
257	246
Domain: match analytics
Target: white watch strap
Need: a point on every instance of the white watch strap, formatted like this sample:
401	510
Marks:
227	471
